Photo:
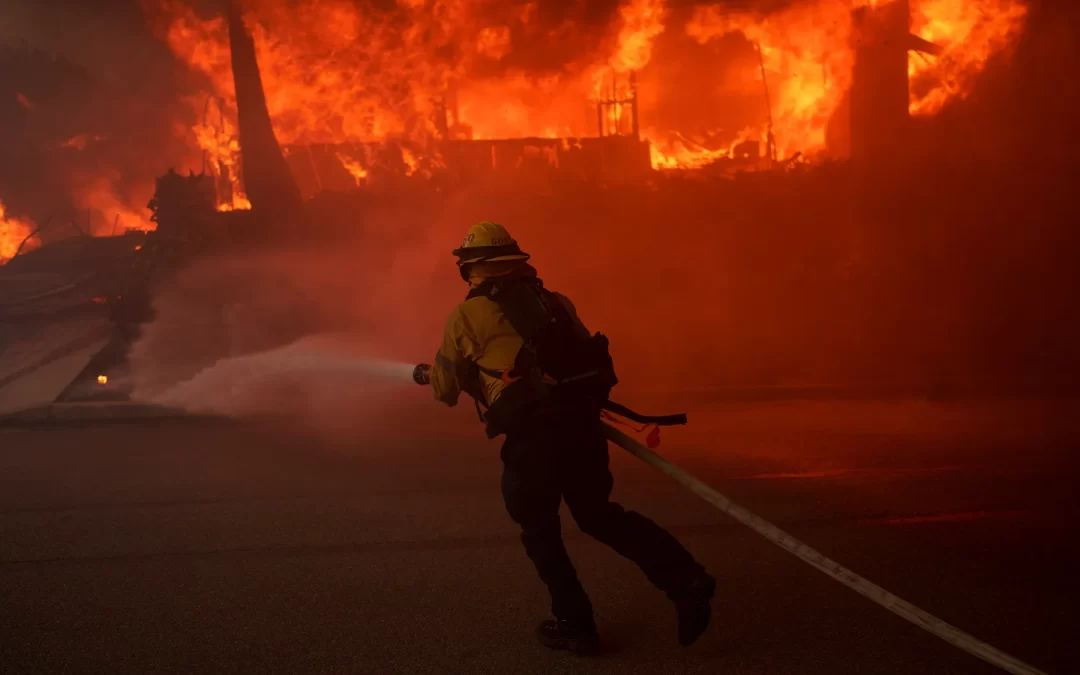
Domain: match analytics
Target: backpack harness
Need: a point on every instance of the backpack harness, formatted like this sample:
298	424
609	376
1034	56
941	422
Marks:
555	369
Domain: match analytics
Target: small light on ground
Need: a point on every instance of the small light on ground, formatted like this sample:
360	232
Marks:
103	379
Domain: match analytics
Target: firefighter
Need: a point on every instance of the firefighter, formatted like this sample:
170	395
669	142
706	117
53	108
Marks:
540	378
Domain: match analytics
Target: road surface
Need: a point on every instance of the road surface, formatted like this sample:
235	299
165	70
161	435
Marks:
196	546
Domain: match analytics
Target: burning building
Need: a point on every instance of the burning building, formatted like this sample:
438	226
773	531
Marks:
617	153
360	94
419	91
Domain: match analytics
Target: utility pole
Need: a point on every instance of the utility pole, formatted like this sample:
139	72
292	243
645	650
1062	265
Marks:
770	142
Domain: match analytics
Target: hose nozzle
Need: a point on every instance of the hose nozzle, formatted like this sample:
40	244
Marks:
421	374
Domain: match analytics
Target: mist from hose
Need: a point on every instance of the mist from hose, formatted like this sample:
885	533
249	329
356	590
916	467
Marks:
279	381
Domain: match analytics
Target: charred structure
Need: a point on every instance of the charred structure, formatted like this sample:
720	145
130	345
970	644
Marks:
269	184
880	91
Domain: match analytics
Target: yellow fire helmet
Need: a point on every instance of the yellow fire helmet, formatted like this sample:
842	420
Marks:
488	242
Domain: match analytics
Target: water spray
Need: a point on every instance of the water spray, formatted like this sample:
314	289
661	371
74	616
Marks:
317	362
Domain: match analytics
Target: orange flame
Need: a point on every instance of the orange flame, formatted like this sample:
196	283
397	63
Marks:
669	153
971	33
12	233
643	20
221	157
239	202
808	57
355	168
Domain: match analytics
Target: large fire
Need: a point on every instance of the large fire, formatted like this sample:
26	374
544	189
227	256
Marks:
13	231
342	72
808	57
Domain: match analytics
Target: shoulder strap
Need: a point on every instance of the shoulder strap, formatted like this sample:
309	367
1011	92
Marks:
524	302
491	288
483	290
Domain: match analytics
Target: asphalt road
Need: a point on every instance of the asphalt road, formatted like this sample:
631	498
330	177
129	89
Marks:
178	546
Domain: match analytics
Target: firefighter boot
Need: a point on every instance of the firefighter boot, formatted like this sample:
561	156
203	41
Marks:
694	609
579	637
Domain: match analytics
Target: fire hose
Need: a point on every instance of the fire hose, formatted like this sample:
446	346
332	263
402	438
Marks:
862	586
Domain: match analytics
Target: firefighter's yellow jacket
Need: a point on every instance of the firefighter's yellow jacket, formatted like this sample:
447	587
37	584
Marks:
478	331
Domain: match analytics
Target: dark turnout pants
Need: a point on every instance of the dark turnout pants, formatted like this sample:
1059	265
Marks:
548	461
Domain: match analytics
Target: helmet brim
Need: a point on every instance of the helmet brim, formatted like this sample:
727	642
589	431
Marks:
476	254
471	261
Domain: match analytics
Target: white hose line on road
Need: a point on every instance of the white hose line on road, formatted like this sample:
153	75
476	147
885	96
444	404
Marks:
876	593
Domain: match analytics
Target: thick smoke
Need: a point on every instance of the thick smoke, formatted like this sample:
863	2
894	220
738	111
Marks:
89	114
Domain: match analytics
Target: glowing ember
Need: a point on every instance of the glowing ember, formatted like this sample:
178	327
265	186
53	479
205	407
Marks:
239	202
103	379
355	169
12	233
80	141
409	158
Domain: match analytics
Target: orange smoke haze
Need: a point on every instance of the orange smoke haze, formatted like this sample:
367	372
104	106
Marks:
116	214
85	128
